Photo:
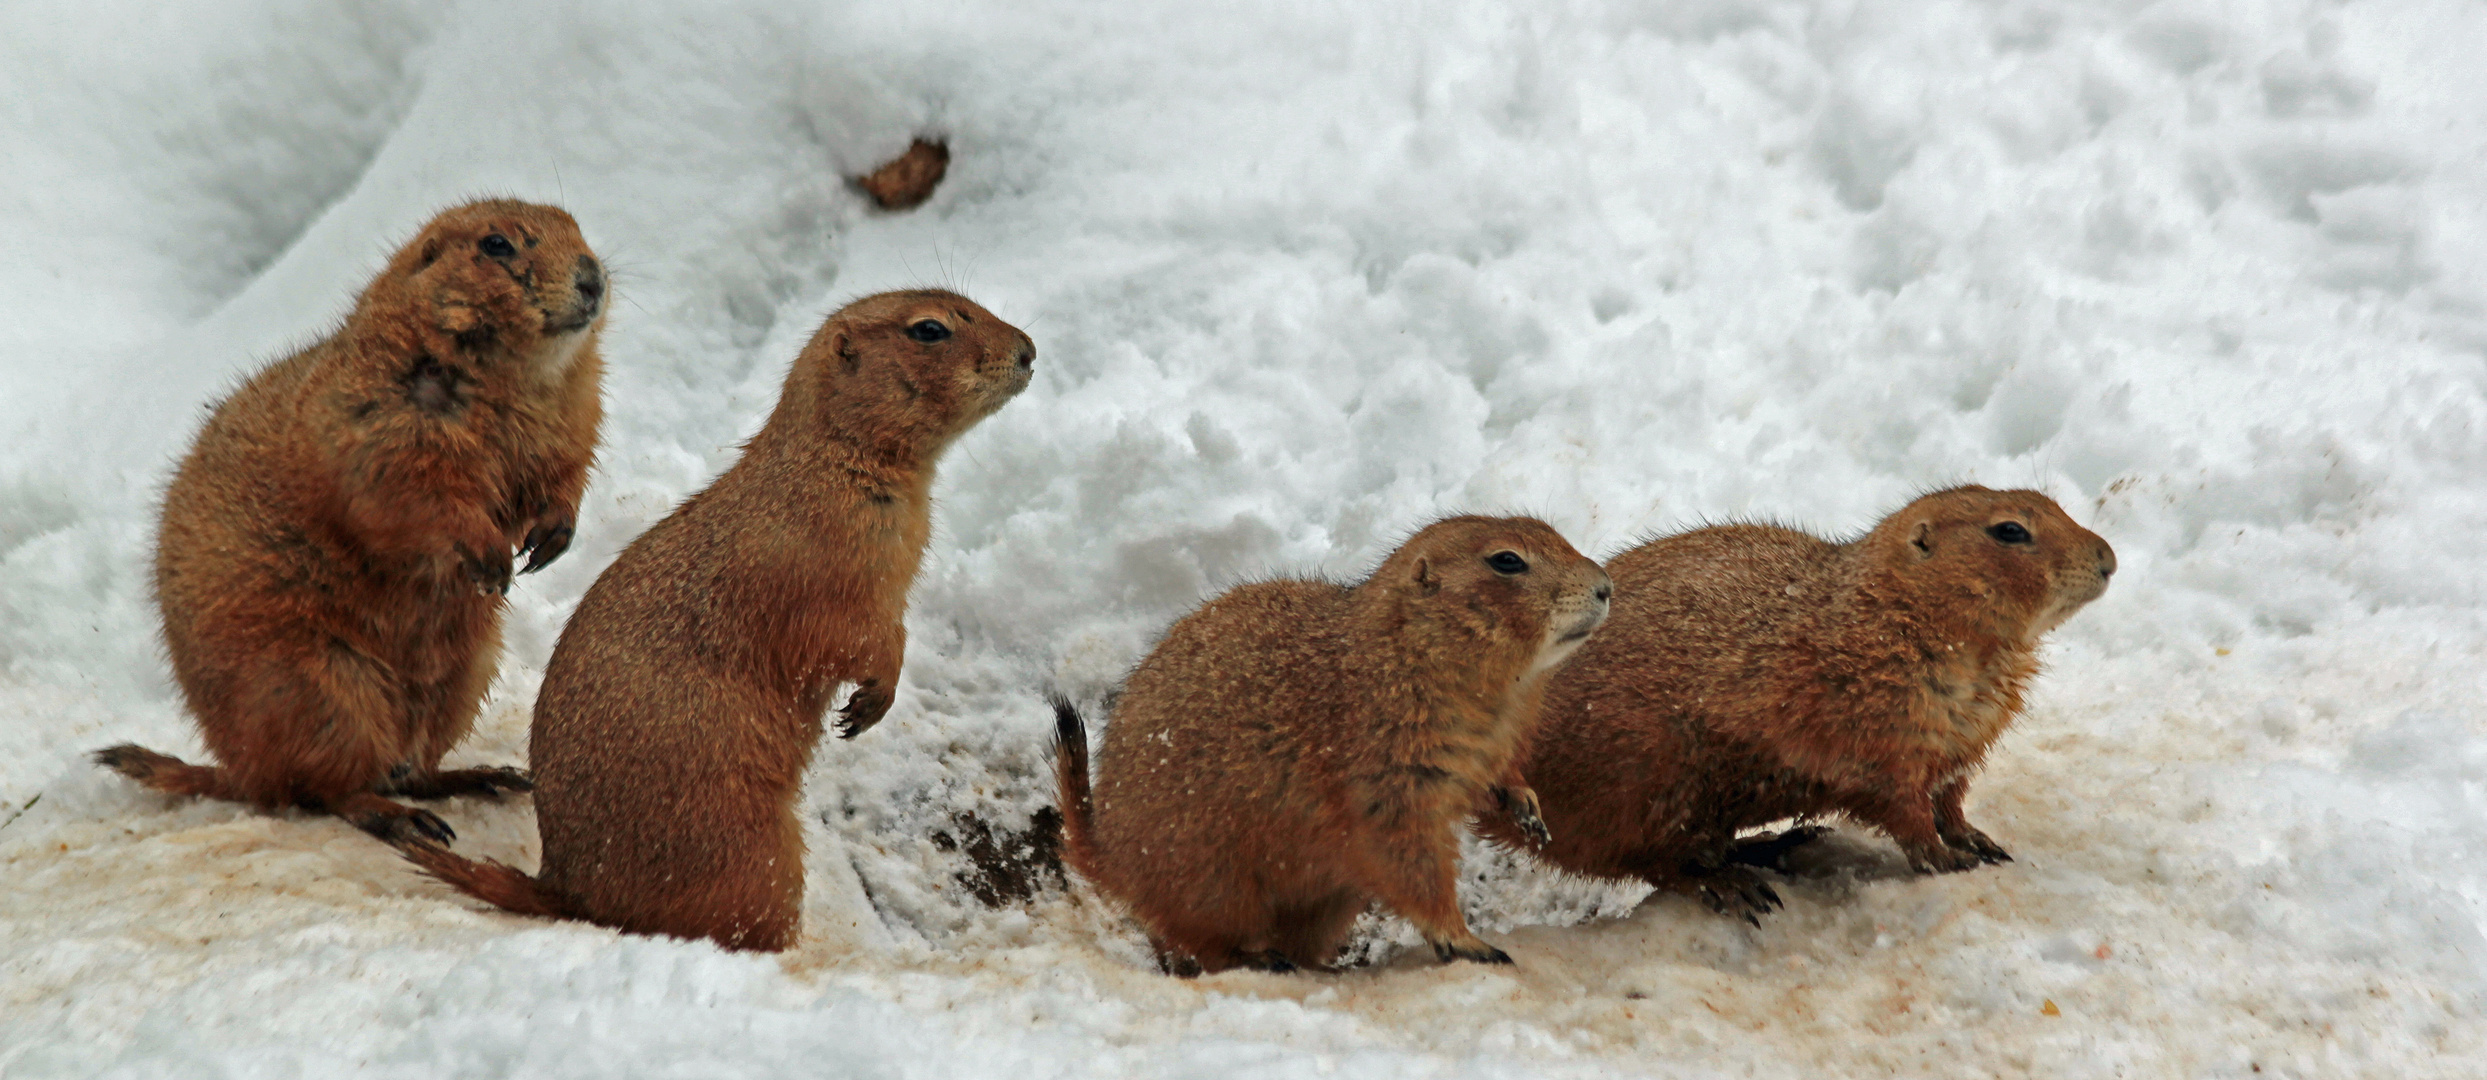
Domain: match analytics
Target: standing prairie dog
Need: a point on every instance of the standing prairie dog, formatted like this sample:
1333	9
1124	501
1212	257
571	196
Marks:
1753	673
1295	750
685	696
334	550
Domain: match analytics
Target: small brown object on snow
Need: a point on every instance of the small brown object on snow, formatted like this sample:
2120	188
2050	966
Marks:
908	179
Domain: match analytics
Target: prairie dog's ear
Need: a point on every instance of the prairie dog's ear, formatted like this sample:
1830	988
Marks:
1426	580
1922	538
849	358
431	254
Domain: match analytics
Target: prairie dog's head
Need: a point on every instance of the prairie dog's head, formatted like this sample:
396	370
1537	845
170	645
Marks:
504	274
2016	552
920	366
1511	580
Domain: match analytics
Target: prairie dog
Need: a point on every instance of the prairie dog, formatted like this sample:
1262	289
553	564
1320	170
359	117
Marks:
334	550
1295	750
1753	673
685	696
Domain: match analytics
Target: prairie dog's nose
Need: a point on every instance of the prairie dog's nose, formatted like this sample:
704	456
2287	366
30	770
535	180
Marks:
588	279
1601	595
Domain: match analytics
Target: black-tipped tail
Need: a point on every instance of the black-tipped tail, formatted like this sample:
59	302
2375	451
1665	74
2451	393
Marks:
1071	781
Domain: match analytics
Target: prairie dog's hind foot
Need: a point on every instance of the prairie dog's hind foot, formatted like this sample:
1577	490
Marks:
1173	961
1971	840
491	782
1771	851
1269	960
393	823
1473	950
1732	890
1942	858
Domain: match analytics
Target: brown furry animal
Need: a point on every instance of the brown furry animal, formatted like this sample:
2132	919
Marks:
683	701
1753	673
905	181
334	550
1294	750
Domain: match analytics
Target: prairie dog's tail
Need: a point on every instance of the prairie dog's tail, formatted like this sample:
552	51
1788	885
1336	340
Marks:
498	884
167	773
1071	781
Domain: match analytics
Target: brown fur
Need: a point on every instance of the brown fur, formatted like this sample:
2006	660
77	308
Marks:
334	550
1753	673
683	701
1294	750
905	181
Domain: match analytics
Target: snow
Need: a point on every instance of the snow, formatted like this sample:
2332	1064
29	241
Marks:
2213	274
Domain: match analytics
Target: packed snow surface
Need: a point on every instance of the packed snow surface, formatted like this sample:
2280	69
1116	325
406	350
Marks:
2213	274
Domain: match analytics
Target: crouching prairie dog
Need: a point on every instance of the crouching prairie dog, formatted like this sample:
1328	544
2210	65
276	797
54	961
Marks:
1753	673
1295	750
684	698
334	550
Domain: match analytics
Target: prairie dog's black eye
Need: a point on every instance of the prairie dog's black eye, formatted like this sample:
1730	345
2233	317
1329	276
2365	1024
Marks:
928	331
496	246
2009	532
1507	562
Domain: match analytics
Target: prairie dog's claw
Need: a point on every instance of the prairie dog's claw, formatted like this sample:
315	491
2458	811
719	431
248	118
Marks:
863	708
1521	803
544	544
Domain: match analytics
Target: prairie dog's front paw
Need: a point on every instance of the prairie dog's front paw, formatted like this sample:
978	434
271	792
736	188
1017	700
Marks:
490	570
1521	803
864	708
545	543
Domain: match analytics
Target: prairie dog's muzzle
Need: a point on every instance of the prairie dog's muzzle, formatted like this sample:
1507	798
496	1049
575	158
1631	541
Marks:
1578	611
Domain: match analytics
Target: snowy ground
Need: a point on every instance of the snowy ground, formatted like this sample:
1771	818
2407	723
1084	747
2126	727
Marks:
2214	274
